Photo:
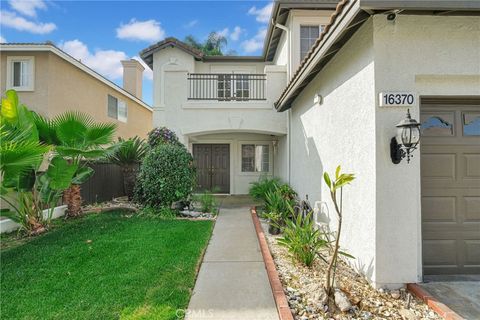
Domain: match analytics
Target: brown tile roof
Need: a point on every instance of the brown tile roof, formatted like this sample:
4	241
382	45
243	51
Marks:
308	56
169	42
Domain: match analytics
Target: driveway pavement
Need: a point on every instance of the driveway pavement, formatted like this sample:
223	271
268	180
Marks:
232	282
459	293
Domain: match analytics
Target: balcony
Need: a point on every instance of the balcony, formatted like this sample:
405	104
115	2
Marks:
226	86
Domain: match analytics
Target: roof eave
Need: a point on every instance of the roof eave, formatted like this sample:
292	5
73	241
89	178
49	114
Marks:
346	17
233	59
62	54
357	8
456	5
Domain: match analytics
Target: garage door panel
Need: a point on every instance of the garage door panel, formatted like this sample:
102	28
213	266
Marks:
442	166
472	166
472	253
472	209
440	252
450	166
439	209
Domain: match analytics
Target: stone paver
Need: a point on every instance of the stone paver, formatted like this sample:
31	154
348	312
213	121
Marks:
232	282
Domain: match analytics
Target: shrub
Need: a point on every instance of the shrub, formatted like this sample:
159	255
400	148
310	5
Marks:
287	192
207	201
166	175
277	210
162	135
128	154
301	239
259	189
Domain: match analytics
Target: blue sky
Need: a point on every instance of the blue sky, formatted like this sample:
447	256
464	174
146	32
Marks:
101	33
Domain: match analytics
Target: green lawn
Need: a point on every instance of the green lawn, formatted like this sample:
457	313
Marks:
104	266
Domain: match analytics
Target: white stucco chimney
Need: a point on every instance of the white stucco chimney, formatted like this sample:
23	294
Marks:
132	77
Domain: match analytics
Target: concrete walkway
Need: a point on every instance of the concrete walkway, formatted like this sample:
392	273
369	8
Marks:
459	293
232	282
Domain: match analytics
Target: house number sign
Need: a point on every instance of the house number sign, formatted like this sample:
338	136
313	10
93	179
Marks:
397	99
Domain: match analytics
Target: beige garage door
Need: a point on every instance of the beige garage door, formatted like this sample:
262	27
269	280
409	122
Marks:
450	166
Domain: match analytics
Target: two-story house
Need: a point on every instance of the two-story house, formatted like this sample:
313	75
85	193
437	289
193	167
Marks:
334	80
50	81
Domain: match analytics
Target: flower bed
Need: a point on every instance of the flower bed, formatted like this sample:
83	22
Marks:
305	294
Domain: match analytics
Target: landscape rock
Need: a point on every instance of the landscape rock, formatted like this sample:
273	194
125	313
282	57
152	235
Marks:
395	294
306	295
341	301
407	314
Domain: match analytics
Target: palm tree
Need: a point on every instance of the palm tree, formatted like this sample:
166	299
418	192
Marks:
78	139
23	187
192	42
214	44
128	154
211	47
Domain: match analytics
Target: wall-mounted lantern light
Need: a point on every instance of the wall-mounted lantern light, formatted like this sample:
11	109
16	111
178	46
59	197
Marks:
406	140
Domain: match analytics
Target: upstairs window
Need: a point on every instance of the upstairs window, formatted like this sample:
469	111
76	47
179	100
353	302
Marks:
308	36
20	73
224	87
255	158
117	109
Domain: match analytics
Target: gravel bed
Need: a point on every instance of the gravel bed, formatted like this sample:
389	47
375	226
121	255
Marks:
123	203
305	294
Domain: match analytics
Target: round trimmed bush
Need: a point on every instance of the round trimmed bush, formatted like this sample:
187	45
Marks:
162	135
166	175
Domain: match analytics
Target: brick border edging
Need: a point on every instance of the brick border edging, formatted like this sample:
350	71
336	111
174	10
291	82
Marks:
440	308
281	301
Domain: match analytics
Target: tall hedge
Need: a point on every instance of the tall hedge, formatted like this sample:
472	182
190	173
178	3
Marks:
166	175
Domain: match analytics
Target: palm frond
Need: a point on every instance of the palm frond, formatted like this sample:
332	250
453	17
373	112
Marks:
17	152
74	152
46	129
71	127
100	134
129	151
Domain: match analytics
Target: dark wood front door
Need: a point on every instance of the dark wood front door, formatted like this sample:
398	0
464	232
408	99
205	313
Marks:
213	167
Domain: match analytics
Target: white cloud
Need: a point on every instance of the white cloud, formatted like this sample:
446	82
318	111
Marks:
106	62
261	14
235	35
148	30
255	43
223	33
191	24
2	39
10	19
28	7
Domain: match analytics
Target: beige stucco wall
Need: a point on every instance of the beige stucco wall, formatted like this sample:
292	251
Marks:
425	55
340	131
61	86
429	56
37	99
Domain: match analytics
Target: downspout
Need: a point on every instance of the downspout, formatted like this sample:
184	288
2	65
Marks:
289	62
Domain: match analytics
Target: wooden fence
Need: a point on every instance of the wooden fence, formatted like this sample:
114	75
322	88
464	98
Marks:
105	184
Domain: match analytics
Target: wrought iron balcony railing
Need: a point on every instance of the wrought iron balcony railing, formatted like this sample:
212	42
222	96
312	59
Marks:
226	86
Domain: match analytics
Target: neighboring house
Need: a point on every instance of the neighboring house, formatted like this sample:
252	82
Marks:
313	101
50	82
